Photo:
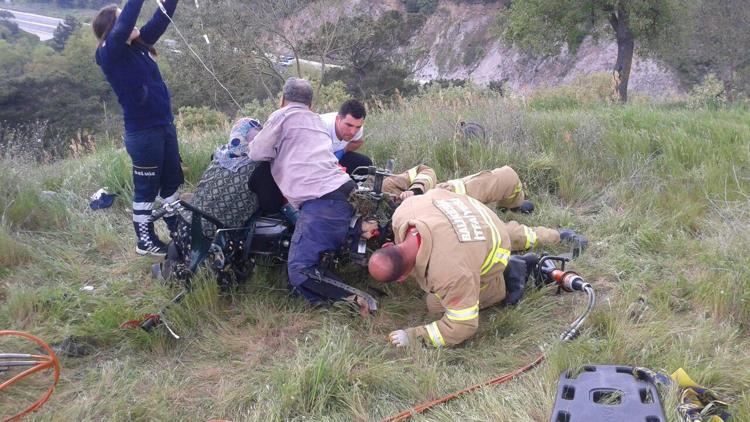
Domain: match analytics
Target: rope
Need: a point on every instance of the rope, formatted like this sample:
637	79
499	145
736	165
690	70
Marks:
421	408
161	7
44	362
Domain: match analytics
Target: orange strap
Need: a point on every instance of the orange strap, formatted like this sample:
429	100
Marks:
407	414
136	323
45	362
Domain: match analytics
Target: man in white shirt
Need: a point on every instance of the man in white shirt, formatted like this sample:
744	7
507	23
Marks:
345	130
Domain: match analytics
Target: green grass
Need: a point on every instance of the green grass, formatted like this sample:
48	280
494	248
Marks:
661	192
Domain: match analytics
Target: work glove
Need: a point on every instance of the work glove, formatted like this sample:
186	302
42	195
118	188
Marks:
398	338
568	235
526	207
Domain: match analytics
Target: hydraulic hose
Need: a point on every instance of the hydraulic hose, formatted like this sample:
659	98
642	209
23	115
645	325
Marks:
37	363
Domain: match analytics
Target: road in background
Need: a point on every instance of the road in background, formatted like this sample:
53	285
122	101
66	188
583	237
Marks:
41	26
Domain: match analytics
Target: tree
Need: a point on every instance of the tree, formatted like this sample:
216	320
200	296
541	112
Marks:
8	28
720	47
234	53
548	25
371	51
64	30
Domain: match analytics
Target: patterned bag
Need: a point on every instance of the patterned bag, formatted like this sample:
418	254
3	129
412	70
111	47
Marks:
224	194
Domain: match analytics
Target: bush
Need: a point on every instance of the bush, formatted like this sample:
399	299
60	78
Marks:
330	97
591	89
499	86
709	93
258	109
199	119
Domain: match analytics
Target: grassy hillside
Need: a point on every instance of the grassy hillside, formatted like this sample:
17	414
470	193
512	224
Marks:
661	192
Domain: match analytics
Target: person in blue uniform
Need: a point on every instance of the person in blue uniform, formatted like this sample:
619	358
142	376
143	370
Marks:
127	58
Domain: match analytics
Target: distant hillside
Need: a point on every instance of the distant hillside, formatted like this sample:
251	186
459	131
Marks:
457	42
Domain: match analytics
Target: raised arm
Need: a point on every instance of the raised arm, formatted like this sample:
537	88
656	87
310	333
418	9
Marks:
155	27
265	145
123	27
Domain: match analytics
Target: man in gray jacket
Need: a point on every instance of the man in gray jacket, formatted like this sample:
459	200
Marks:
296	142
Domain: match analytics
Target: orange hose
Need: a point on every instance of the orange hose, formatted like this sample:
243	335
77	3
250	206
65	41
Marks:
421	408
49	360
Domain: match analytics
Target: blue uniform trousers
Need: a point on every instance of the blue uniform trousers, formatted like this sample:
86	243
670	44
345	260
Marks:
156	167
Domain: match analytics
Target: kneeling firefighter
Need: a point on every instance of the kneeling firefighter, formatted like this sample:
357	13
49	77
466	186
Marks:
459	252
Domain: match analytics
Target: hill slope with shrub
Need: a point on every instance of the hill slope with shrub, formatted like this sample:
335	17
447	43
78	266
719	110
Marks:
662	192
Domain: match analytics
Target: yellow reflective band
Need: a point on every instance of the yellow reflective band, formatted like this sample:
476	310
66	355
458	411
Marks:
412	174
458	186
463	314
483	288
501	255
498	254
429	183
435	336
530	237
519	188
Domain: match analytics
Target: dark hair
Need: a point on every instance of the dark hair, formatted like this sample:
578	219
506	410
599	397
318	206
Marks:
104	21
353	107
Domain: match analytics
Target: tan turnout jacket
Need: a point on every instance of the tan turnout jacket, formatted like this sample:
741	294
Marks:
463	252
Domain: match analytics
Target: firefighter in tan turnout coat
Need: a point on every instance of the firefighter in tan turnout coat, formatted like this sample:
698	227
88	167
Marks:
501	185
457	249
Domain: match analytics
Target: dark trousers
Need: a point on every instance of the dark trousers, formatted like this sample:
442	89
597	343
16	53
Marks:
261	182
351	160
322	225
156	167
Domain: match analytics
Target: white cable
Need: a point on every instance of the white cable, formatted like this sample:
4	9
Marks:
161	6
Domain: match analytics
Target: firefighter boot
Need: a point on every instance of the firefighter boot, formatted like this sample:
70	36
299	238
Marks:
516	273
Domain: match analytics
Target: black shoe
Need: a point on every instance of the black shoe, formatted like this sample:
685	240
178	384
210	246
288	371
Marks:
148	241
152	248
526	207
